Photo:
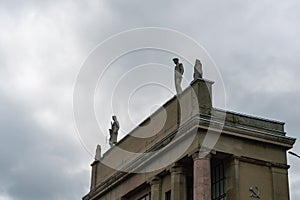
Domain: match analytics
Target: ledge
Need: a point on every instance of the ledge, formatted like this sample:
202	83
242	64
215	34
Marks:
198	121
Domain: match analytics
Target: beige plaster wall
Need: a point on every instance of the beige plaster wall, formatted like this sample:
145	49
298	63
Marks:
252	175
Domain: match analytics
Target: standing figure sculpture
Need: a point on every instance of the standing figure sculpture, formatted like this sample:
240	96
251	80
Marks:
178	72
98	153
114	131
198	73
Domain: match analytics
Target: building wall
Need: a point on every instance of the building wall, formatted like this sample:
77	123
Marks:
253	175
253	150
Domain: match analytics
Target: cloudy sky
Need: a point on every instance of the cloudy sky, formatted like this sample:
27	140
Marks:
255	45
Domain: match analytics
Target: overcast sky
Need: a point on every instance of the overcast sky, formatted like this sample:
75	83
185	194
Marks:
255	45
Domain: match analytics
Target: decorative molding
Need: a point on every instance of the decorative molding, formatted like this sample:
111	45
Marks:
262	162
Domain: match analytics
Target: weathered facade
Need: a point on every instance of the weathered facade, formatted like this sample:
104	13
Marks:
246	161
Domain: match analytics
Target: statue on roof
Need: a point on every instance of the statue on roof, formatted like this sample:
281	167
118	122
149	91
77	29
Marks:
198	73
115	126
178	72
98	153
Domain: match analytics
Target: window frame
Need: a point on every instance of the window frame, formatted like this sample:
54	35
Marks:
218	180
145	197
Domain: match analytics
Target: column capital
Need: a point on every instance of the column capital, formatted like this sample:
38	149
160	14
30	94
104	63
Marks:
201	155
177	169
155	180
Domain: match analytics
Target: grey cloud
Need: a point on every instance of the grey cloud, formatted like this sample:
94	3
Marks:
31	167
248	40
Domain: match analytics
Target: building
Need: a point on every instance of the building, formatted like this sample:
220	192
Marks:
200	153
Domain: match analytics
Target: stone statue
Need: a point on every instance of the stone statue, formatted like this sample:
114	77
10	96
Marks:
98	153
178	72
198	73
114	131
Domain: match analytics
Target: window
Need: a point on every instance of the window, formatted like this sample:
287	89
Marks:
217	180
146	197
168	195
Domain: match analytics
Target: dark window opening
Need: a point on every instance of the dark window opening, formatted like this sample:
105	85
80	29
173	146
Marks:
217	180
168	195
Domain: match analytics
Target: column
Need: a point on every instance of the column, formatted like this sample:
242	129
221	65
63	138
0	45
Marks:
178	183
155	184
202	180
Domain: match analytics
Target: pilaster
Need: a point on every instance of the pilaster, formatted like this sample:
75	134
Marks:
155	184
178	183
